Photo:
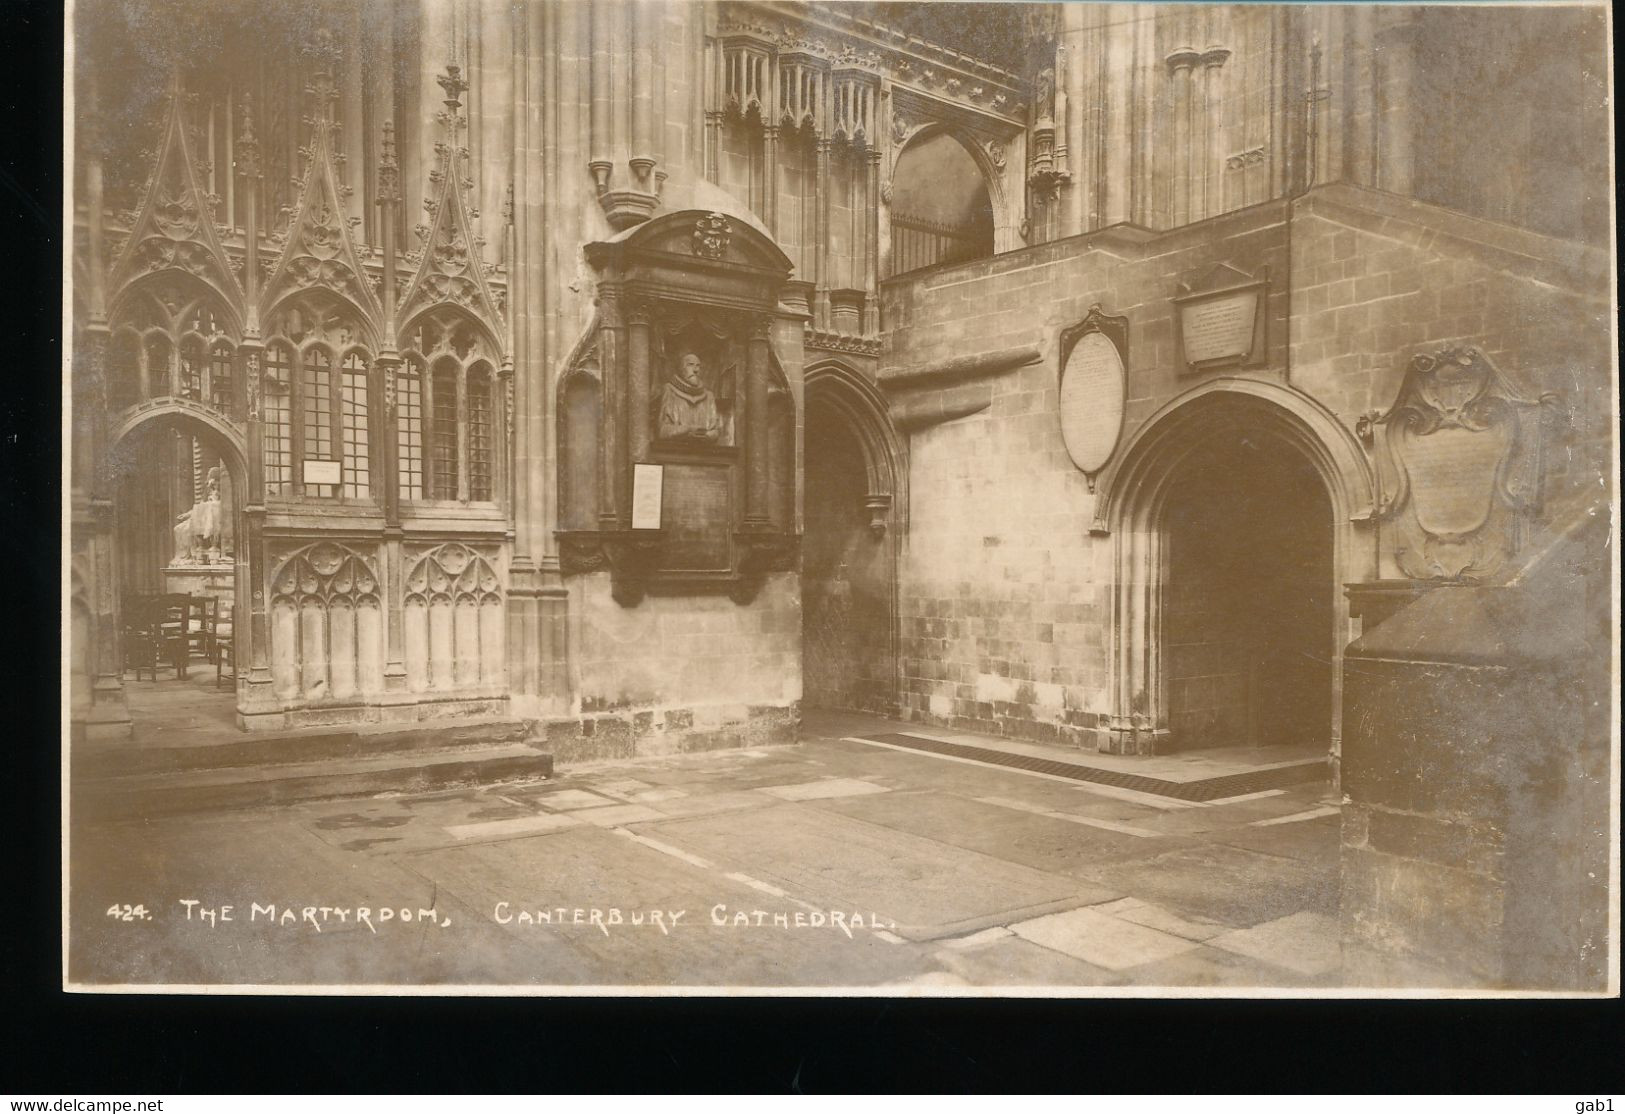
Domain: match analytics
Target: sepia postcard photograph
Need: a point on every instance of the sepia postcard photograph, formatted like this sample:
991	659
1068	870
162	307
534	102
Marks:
820	497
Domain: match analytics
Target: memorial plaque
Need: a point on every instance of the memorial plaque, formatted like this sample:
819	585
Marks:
1219	329
322	472
697	515
1452	473
1092	391
646	495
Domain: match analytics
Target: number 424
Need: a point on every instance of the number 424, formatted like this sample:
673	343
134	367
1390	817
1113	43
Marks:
128	912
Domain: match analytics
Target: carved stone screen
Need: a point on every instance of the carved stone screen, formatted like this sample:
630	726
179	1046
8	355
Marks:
697	515
1092	387
1219	329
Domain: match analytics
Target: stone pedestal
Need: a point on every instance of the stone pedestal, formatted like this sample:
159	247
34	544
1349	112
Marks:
1475	771
201	580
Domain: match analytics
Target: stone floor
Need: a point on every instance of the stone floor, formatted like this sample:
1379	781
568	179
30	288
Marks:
835	863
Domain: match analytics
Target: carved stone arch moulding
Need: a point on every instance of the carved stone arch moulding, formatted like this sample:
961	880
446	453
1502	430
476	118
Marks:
326	623
851	396
174	228
453	621
685	370
1093	380
1459	458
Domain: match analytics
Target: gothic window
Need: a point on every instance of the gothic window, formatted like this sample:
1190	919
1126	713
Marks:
447	426
278	434
171	340
409	428
218	390
479	434
353	426
443	390
192	368
940	209
328	405
316	386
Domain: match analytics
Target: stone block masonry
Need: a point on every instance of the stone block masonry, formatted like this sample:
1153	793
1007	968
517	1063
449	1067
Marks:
675	674
1005	596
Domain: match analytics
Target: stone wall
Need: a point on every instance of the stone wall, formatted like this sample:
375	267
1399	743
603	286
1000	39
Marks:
1005	595
680	673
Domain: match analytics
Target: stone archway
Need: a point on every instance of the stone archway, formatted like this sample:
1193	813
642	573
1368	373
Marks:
854	513
1200	432
131	461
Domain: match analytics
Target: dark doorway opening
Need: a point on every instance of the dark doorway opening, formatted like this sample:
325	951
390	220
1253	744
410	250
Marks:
849	574
1247	605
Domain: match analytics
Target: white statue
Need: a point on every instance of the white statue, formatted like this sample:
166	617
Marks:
197	532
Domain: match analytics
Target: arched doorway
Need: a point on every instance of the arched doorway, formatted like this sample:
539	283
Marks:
1237	513
169	467
853	511
1247	622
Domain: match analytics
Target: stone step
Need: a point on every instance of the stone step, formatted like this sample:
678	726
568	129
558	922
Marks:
136	796
114	759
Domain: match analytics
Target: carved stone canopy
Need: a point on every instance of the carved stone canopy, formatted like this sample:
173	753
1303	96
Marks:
686	381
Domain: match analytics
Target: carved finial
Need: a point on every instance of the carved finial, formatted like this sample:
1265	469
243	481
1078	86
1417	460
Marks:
389	168
248	144
452	82
323	52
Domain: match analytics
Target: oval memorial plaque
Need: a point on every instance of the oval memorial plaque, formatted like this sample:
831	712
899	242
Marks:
1092	389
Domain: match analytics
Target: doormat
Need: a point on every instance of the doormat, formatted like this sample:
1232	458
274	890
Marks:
1209	789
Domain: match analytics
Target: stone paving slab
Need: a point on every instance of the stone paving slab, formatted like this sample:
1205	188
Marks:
1039	842
1101	939
1305	943
1015	962
823	789
928	888
1155	916
1224	884
590	868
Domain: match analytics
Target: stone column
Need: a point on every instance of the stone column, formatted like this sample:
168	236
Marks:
757	371
1180	64
108	716
821	261
871	305
1396	73
639	379
611	460
770	192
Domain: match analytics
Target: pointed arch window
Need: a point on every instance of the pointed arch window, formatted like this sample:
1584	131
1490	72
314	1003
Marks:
172	340
277	407
481	472
409	427
354	438
450	448
328	404
443	393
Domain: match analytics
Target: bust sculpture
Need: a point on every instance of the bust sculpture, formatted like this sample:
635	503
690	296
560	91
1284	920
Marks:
688	409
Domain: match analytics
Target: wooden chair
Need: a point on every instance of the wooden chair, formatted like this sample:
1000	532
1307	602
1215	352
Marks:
171	615
224	653
201	616
138	637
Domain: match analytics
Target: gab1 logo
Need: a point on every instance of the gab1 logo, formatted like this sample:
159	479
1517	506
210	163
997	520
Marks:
1594	1106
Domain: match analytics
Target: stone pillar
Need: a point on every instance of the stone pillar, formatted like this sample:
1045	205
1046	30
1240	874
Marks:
821	261
871	306
770	193
108	716
639	379
1180	65
758	370
1394	107
611	460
